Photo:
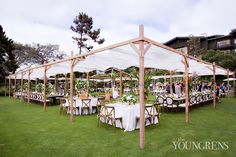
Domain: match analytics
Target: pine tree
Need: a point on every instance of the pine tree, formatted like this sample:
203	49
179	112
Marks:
7	58
83	26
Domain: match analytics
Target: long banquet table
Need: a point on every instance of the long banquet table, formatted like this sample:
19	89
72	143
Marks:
129	113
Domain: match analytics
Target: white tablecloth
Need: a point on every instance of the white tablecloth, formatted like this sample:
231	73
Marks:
78	103
128	114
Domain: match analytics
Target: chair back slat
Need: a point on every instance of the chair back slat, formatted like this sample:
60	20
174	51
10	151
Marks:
86	102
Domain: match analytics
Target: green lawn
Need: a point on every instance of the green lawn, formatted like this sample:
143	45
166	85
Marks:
25	130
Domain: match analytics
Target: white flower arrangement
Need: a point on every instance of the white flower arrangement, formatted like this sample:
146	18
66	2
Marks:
128	98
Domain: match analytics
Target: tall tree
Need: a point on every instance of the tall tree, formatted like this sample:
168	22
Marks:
45	53
36	53
7	58
226	60
83	26
24	54
194	46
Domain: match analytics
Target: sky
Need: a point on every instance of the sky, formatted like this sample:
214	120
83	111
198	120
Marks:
49	21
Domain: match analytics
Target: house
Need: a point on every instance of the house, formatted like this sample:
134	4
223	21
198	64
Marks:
225	43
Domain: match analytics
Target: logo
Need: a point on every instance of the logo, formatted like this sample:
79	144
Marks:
182	144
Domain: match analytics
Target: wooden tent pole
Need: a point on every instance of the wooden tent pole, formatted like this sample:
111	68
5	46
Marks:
5	91
73	63
141	52
15	86
71	91
214	85
9	86
55	84
234	88
21	85
165	82
121	86
171	89
87	90
44	89
112	83
141	88
36	82
228	80
28	90
186	66
65	85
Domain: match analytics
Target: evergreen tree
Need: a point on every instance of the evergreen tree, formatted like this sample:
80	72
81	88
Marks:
7	58
194	46
83	26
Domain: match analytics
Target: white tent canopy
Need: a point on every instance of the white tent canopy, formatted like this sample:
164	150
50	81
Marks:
230	79
123	57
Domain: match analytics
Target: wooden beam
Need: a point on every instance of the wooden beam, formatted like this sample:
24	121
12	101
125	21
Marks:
55	84
141	88
73	63
234	83
88	83
87	53
178	52
71	92
147	48
9	86
214	85
21	84
36	82
5	91
44	89
134	48
28	90
165	83
112	81
171	89
228	80
65	85
186	77
209	68
15	86
121	84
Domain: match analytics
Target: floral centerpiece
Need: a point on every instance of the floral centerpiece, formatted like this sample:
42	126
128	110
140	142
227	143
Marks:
128	98
81	85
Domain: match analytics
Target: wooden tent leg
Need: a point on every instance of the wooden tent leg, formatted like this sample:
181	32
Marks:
28	90
9	87
121	86
186	89
214	85
21	86
44	89
15	87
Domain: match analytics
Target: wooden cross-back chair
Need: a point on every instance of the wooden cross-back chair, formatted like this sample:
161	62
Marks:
111	116
85	105
148	117
101	113
63	108
74	104
100	101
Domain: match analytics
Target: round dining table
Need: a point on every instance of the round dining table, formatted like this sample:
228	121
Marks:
129	114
